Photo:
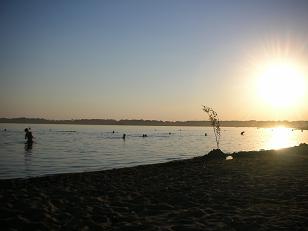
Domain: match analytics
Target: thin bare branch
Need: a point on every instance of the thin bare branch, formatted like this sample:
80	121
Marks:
213	117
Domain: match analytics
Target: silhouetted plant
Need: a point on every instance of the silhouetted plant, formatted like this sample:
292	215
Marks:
213	117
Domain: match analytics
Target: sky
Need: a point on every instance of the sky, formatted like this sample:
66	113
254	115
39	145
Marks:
158	60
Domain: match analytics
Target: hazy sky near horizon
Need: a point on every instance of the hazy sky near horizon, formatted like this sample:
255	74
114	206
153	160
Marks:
146	59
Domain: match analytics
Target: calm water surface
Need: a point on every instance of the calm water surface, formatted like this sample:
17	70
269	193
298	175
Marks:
79	148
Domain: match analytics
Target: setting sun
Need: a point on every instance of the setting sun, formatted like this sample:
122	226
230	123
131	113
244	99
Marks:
281	84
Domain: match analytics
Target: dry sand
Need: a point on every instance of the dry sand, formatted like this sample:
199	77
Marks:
265	190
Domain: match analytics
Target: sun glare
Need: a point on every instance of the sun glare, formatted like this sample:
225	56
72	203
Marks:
281	84
280	137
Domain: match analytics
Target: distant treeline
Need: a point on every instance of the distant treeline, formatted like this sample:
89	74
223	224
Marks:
250	123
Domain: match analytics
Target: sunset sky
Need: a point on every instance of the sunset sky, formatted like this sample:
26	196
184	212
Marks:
157	60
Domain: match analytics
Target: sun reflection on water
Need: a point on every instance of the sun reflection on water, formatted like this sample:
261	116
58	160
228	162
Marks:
280	137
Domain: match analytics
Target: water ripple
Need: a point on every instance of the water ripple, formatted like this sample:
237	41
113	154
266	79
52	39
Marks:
75	148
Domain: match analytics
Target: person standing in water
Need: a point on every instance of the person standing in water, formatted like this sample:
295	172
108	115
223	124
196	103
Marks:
29	137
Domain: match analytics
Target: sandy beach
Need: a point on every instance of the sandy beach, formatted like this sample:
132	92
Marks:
266	190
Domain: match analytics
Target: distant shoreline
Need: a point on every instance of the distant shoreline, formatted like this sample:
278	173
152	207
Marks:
301	125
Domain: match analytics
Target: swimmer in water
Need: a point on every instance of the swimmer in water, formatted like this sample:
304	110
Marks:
29	136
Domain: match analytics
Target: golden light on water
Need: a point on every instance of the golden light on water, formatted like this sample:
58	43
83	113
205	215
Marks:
281	83
280	137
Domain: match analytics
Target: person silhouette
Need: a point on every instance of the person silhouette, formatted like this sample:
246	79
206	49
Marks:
29	137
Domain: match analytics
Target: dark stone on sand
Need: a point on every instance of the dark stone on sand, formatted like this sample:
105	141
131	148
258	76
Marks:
215	154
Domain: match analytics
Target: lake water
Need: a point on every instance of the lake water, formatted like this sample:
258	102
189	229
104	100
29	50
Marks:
80	148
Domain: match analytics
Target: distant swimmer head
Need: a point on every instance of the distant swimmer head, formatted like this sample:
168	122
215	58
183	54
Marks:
26	129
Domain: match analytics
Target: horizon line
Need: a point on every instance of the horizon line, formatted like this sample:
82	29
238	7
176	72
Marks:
157	120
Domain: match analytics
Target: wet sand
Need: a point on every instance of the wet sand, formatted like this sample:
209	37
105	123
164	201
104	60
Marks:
265	190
